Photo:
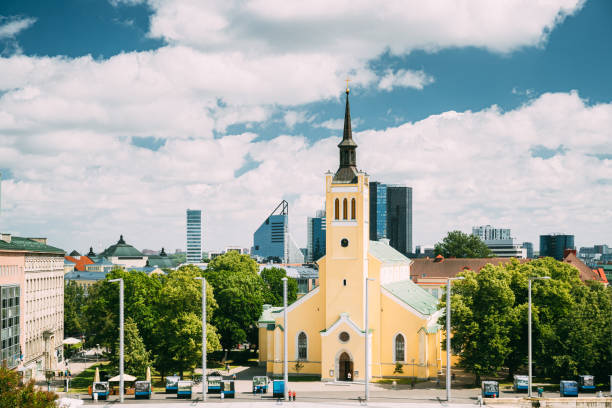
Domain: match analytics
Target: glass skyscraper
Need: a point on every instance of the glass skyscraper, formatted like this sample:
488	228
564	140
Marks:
554	245
391	215
316	236
194	236
272	240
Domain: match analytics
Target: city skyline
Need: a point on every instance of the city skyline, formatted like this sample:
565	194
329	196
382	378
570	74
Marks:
148	111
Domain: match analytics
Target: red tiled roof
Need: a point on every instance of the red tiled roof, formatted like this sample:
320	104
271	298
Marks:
450	267
586	273
80	262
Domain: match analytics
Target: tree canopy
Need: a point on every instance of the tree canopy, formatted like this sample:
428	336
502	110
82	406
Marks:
460	245
571	320
14	394
239	293
273	286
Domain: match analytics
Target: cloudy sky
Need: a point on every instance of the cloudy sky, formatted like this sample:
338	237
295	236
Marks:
117	115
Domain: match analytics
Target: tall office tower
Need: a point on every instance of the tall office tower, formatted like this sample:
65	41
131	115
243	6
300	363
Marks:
529	248
315	227
378	210
194	236
555	244
272	240
399	217
391	215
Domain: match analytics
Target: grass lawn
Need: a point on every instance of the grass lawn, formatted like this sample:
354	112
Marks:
81	382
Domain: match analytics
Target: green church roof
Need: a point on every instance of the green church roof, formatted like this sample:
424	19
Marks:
28	245
413	295
268	311
121	249
386	253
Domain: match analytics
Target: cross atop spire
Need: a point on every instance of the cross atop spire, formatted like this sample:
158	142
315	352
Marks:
347	173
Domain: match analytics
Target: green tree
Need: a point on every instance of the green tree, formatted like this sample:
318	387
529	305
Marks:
74	302
460	245
273	285
571	320
136	356
141	293
14	394
179	329
239	292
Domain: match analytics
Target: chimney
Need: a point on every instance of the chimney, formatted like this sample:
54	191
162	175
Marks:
40	240
568	251
6	237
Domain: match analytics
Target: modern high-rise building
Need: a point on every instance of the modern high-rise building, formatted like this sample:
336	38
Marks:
272	240
194	236
529	248
315	238
391	215
500	242
554	245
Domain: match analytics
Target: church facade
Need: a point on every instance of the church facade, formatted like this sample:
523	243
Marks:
326	327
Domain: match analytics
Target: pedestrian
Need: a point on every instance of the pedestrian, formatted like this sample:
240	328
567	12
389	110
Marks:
348	376
234	377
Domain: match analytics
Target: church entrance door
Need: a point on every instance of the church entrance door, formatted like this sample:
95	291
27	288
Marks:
345	368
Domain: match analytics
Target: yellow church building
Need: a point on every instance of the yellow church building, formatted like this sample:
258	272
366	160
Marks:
326	327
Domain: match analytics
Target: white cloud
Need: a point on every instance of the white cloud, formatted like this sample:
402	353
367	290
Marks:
291	118
362	28
404	78
10	27
85	187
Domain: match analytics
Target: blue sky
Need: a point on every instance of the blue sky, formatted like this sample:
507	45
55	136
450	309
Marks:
199	103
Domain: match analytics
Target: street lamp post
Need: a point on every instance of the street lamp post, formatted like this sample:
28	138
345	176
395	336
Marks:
203	336
448	336
121	383
367	341
529	324
285	353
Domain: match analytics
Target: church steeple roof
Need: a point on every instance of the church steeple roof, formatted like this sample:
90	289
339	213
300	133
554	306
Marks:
347	172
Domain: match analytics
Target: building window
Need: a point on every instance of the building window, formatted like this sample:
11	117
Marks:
353	209
344	337
343	282
399	348
337	209
302	346
344	209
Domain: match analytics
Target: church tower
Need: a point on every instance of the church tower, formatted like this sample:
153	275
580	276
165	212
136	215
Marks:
346	260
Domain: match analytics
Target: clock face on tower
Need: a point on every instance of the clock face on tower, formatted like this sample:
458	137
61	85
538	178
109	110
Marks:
344	242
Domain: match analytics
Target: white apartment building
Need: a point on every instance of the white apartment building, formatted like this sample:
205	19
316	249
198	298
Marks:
32	300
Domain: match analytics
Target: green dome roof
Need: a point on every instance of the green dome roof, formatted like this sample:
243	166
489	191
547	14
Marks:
121	249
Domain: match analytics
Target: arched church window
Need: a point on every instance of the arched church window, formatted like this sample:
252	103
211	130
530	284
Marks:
353	209
337	209
302	346
399	348
344	209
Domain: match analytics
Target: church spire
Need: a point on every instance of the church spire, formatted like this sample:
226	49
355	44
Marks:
347	172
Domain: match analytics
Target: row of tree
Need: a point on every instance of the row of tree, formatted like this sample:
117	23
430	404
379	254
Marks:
163	317
571	321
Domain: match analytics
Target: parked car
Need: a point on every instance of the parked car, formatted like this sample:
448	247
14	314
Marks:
260	384
521	383
142	389
101	389
184	389
490	389
586	383
172	384
568	389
